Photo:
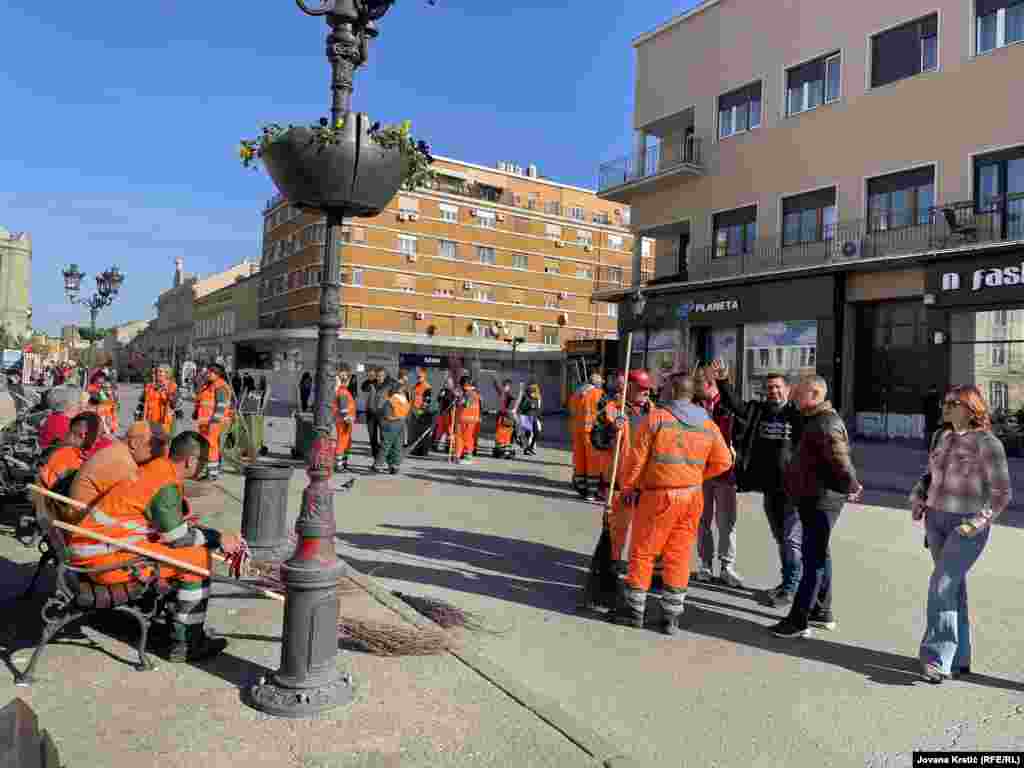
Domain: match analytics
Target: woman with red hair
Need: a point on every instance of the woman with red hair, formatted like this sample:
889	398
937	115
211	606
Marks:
966	489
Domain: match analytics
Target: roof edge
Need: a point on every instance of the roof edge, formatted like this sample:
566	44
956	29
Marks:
674	22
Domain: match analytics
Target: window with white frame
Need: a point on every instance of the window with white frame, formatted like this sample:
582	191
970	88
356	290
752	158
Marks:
576	212
813	83
550	335
740	110
484	294
520	261
998	395
486	255
584	237
407	245
1000	333
999	23
447	249
615	242
905	51
645	247
551	301
408	204
553	231
486	219
612	310
615	275
584	273
449	213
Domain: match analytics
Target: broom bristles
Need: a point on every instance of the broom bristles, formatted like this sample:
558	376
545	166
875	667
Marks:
382	639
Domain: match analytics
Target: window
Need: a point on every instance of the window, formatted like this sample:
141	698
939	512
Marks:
313	276
405	283
905	51
901	199
612	310
998	396
601	218
553	207
531	200
550	301
1000	317
615	275
810	217
999	181
812	84
735	231
486	254
350	234
1000	22
739	111
585	273
407	245
408	204
520	261
584	237
486	219
575	212
645	247
615	242
553	231
446	249
551	266
550	335
353	277
484	294
1000	333
449	213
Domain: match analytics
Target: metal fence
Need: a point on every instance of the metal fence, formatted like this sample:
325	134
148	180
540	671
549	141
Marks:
671	152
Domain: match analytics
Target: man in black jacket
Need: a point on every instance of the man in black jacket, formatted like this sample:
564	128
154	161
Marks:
374	386
819	479
768	431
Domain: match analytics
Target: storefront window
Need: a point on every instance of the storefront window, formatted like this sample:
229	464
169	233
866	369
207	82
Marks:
722	344
665	353
784	347
987	350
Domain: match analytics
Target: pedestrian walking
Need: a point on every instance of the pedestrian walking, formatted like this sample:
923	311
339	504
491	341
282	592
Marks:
529	419
967	487
674	451
766	433
719	495
820	479
370	388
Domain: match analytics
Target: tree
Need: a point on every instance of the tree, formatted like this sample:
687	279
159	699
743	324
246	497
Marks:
85	333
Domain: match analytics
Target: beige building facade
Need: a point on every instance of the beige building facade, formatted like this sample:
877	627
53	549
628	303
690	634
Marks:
810	171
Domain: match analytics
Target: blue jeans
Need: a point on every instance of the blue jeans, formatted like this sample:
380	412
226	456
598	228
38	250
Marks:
784	521
818	516
947	636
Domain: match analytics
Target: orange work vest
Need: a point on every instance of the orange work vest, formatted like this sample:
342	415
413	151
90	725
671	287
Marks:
344	404
667	453
121	514
208	401
634	418
468	412
62	461
157	403
418	393
398	407
587	408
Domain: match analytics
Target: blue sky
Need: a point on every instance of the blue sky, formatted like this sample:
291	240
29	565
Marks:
122	119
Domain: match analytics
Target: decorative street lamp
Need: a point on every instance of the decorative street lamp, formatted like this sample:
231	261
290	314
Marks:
515	341
308	680
108	284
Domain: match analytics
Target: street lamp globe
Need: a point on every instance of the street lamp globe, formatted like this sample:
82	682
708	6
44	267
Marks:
73	279
115	277
375	9
639	303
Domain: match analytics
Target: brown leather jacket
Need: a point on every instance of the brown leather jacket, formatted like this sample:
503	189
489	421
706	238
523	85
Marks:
821	462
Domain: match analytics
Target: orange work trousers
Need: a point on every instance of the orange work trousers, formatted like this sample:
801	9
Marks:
665	523
443	426
465	439
213	432
197	556
580	444
503	434
343	435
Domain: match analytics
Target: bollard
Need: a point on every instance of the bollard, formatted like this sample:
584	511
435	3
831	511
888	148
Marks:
265	510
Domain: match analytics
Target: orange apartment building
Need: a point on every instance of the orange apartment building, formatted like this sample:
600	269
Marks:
449	275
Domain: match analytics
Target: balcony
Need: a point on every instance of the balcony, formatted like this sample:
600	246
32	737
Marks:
948	226
674	155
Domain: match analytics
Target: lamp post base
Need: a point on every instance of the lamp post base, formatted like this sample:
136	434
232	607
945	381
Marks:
272	697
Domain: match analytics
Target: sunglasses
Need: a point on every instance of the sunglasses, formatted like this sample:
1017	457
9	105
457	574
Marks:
951	403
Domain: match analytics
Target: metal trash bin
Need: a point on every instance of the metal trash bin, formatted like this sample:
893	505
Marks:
304	434
265	509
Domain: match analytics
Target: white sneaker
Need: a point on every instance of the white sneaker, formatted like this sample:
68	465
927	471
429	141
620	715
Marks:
730	578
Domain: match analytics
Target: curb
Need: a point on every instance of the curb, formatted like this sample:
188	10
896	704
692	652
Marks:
604	754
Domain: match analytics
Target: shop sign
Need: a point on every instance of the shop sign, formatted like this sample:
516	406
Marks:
727	305
421	361
987	277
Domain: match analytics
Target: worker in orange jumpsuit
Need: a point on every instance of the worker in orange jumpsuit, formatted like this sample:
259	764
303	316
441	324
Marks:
443	422
467	421
393	416
213	414
103	401
421	419
602	436
504	430
159	401
150	513
62	460
344	408
674	450
586	477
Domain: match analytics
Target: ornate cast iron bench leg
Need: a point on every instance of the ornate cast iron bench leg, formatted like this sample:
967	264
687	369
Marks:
47	556
54	623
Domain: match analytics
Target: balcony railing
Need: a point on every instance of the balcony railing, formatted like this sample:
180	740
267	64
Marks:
671	152
944	226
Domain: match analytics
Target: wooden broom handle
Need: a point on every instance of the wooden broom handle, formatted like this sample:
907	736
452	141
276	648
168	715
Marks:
618	434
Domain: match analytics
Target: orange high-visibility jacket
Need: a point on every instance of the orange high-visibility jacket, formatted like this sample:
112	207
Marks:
214	402
158	403
122	514
669	453
635	416
467	409
418	395
587	408
62	462
397	407
344	404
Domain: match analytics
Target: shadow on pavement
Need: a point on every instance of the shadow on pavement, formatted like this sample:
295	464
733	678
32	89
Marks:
878	666
456	477
527	572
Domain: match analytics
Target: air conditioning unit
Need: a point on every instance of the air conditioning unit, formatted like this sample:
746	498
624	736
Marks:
849	249
501	217
559	243
419	315
562	295
534	327
402	216
467	286
588	247
411	256
414	217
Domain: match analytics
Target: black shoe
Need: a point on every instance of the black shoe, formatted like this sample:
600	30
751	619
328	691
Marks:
962	671
823	621
778	598
787	629
393	470
670	627
205	647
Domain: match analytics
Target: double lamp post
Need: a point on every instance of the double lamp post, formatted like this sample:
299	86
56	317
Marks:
108	284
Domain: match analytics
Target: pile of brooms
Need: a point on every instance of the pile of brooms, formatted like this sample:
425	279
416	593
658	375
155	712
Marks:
375	637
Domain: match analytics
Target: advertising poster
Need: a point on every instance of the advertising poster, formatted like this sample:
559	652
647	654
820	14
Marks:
665	353
787	347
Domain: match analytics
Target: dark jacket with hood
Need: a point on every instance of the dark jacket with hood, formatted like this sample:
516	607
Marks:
821	462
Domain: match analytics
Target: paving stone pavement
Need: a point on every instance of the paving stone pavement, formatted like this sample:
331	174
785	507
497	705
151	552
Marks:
509	541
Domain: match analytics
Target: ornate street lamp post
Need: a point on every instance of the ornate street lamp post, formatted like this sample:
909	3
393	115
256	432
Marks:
308	680
108	284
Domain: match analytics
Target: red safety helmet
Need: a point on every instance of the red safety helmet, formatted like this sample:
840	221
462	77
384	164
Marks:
641	378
